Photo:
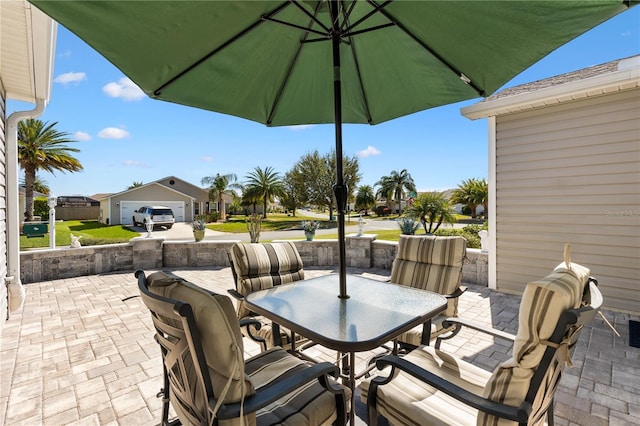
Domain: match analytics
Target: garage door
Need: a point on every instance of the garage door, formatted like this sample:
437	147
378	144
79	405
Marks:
128	207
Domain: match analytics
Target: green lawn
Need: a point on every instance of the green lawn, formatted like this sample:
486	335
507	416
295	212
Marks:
92	233
273	222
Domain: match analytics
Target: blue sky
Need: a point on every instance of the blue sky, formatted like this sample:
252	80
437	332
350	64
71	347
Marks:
124	136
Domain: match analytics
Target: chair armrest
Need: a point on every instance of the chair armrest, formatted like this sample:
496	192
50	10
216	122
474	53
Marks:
272	392
245	322
456	293
496	333
235	294
518	414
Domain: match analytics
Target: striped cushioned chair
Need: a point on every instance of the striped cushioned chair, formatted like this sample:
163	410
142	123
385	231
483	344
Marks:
435	264
429	386
207	380
262	266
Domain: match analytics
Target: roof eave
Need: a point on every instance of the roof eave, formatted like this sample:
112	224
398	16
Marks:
625	78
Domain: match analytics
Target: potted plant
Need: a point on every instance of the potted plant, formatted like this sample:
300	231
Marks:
198	228
254	225
309	227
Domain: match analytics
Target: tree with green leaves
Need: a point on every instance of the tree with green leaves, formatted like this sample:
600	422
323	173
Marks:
472	193
265	183
319	176
395	186
135	184
42	147
219	185
365	199
295	191
431	209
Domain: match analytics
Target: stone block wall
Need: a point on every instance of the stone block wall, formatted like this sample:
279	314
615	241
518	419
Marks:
156	253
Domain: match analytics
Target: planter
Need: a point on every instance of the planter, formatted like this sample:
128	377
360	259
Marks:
309	235
198	235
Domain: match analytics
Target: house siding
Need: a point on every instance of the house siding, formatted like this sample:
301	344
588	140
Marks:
3	210
570	173
153	194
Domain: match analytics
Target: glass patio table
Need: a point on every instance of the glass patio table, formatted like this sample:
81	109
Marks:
375	313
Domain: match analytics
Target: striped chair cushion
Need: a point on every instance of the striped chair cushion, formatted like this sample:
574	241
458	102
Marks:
262	266
430	263
223	349
309	405
543	302
219	335
409	401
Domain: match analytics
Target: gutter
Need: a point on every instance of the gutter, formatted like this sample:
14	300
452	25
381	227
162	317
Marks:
15	289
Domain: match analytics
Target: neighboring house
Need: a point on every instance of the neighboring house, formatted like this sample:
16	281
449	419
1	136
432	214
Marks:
27	51
564	167
185	199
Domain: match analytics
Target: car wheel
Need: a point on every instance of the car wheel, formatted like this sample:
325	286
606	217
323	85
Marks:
169	226
134	221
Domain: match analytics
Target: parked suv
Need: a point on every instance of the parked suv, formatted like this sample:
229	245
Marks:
159	215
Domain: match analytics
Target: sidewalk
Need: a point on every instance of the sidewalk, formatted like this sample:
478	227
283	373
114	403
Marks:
78	354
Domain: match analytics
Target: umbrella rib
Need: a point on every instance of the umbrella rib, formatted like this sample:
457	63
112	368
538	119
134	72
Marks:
276	101
377	8
359	75
313	17
226	44
425	46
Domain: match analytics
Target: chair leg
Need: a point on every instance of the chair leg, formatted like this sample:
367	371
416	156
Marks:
550	416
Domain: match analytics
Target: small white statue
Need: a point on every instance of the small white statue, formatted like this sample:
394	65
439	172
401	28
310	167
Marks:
484	240
75	241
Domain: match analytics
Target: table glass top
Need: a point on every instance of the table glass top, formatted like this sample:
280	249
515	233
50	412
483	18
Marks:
375	311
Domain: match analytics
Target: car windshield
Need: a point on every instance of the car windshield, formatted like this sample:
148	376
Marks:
162	211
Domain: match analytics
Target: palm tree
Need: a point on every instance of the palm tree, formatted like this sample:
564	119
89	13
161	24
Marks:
472	192
41	147
266	183
135	184
396	184
219	185
39	185
432	209
365	199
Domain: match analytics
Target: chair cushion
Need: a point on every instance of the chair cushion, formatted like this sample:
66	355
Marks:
543	301
430	263
409	401
262	266
219	332
309	405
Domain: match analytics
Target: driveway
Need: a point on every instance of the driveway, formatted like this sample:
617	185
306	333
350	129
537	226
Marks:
182	231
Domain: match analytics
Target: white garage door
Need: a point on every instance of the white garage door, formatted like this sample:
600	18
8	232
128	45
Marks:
128	207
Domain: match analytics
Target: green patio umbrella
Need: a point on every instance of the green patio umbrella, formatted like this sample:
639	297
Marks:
305	62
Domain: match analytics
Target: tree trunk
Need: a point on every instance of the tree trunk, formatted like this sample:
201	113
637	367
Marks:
222	208
264	211
29	179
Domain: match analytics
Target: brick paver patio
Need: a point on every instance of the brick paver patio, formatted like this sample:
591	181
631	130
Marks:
78	354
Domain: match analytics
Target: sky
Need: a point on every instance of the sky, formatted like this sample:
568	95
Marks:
126	137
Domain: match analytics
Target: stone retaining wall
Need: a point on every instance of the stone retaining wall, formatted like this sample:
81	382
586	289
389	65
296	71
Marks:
156	253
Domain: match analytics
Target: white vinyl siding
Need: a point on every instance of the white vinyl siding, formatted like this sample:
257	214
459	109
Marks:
3	211
570	173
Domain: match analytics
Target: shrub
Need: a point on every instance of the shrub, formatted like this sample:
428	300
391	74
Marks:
408	226
41	208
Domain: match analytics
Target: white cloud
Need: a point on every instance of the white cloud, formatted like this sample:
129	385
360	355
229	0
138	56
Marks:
301	127
113	133
70	77
135	163
207	158
370	150
82	136
124	89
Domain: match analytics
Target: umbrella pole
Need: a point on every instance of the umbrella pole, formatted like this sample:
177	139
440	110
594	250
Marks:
339	189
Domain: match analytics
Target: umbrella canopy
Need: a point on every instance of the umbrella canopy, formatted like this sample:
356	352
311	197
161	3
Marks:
305	62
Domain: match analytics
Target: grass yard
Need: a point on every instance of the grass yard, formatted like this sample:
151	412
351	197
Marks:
92	233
